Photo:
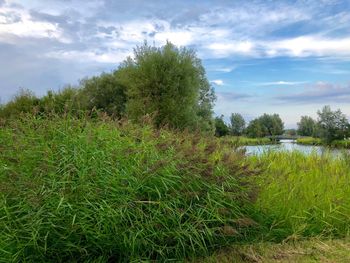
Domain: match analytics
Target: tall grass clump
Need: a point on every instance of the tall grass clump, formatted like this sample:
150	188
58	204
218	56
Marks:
305	195
97	190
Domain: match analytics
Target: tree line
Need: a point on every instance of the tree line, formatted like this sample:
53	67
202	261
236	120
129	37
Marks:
330	125
167	83
265	125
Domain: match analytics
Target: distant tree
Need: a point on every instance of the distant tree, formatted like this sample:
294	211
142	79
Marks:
24	101
221	129
106	93
272	123
169	83
307	126
69	99
333	125
290	132
265	125
255	129
237	124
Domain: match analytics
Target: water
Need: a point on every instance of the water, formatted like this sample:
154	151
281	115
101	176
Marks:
291	145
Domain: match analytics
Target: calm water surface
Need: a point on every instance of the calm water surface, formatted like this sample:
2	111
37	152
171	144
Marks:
290	145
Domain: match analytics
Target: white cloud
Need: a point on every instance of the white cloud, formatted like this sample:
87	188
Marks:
218	82
281	83
25	26
226	49
308	46
116	56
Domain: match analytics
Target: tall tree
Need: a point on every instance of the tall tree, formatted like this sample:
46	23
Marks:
221	129
169	83
265	125
333	125
105	92
306	126
237	124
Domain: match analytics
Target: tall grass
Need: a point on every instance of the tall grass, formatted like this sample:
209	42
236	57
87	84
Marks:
305	195
96	190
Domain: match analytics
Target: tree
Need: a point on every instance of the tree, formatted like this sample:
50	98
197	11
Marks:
170	84
237	124
24	101
290	132
306	126
333	125
265	125
255	129
105	92
221	129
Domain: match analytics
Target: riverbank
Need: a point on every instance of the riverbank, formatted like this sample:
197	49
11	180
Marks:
345	144
98	190
245	141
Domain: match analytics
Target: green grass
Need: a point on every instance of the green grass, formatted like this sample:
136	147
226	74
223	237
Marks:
304	195
309	141
94	190
244	141
97	190
317	141
341	144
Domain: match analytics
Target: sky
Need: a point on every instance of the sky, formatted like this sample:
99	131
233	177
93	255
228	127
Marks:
285	57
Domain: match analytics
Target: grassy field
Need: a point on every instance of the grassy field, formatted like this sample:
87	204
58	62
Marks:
96	190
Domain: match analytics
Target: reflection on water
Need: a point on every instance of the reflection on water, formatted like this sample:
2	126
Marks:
290	145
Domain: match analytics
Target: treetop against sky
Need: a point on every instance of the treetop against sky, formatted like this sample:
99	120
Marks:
289	57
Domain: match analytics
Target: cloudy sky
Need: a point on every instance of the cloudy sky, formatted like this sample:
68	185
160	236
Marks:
288	57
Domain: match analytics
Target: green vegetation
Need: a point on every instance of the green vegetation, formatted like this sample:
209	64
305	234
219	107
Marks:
317	141
303	251
309	141
96	189
304	195
265	125
243	141
221	129
167	83
93	189
237	124
307	126
332	125
125	167
331	129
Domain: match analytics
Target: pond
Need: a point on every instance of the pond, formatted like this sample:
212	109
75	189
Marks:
291	145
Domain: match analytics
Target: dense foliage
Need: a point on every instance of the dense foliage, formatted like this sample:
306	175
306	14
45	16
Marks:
237	124
167	83
265	125
333	125
221	129
307	126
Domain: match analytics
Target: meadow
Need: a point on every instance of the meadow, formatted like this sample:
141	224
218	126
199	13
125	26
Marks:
93	189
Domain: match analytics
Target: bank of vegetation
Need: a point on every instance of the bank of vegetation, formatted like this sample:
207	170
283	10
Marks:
126	167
